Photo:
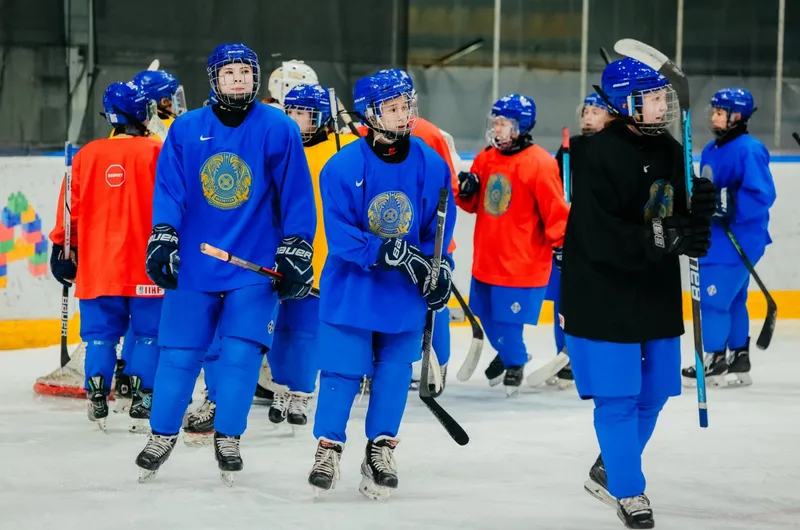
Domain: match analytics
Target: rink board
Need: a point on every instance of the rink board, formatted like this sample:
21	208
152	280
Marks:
30	298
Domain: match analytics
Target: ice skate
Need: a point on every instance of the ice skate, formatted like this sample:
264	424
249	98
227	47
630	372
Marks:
139	411
563	379
739	368
431	384
97	406
280	405
598	483
229	459
265	388
199	429
513	379
154	454
297	414
325	471
379	470
263	396
494	372
122	389
715	371
635	512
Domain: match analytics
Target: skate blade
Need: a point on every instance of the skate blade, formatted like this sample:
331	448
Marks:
565	384
717	381
600	493
372	491
122	405
198	439
227	477
145	475
689	382
738	379
139	426
496	380
101	424
414	386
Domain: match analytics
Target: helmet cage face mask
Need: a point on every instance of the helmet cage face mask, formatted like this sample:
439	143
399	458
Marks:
653	110
228	76
394	116
308	119
501	131
179	105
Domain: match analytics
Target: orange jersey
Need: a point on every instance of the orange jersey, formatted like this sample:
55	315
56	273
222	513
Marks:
111	215
522	215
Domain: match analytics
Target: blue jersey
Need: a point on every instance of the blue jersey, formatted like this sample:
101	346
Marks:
365	201
240	189
740	167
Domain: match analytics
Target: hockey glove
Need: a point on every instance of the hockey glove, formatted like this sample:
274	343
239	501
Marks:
704	198
394	253
468	184
293	261
162	261
437	299
690	236
558	257
726	205
64	269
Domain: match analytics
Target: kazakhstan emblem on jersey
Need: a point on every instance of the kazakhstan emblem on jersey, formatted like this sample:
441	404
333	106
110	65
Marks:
226	181
498	195
662	198
390	214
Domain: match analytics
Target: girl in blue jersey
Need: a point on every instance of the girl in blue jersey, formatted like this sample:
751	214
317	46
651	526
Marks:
379	200
738	164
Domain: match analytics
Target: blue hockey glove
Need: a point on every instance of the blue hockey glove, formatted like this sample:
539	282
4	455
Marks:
293	261
162	261
704	198
726	205
558	257
64	269
395	253
437	299
468	184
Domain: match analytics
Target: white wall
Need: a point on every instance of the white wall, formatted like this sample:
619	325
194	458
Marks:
39	178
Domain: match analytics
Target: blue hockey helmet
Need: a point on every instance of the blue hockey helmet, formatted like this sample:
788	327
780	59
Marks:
594	100
314	106
387	104
637	91
402	74
592	114
158	84
519	113
124	104
734	100
225	88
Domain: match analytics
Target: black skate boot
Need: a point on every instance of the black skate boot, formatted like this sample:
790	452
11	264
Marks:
635	512
97	408
597	485
154	454
715	371
513	379
199	429
739	368
298	408
325	471
140	407
229	459
494	372
263	396
122	388
280	405
432	386
379	470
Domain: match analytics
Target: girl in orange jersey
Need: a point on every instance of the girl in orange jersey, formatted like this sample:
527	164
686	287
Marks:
514	188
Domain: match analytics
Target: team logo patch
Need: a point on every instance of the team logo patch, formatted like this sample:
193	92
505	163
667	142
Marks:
226	180
516	308
711	290
707	172
498	195
271	327
661	202
115	175
390	214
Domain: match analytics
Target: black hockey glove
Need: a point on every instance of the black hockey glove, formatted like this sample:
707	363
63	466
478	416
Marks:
293	261
558	256
394	253
468	184
704	197
162	261
437	299
64	269
690	236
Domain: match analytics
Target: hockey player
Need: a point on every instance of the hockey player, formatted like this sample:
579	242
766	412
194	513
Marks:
738	164
232	174
111	203
293	357
379	198
593	116
285	77
514	189
620	279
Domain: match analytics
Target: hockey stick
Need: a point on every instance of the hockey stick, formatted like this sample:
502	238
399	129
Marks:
476	346
222	255
768	329
604	55
429	362
661	63
67	249
796	137
155	65
335	115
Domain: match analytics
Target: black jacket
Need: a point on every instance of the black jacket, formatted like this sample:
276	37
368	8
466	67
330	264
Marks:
610	289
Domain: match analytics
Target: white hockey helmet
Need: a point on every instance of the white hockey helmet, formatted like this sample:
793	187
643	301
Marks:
287	76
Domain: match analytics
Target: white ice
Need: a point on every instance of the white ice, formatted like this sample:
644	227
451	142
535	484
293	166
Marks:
523	469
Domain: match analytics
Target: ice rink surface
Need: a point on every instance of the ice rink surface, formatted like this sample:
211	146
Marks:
523	469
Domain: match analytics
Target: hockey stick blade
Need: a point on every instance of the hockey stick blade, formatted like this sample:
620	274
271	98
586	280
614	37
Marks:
155	65
475	347
657	61
456	431
222	255
540	376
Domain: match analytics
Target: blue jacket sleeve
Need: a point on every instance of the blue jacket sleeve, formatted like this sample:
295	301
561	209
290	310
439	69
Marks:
345	239
428	235
757	192
169	195
289	170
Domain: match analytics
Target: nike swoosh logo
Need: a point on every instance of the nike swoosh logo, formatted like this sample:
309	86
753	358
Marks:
359	183
204	138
